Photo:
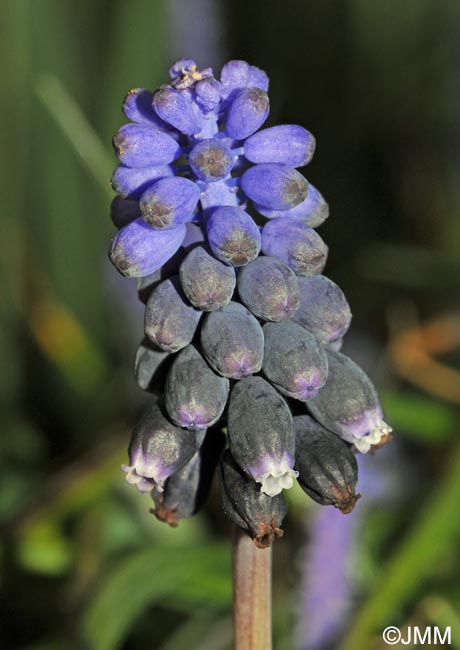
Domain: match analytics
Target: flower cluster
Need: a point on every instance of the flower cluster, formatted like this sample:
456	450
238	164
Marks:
242	330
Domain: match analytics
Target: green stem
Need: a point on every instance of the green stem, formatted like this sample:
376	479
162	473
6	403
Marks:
252	616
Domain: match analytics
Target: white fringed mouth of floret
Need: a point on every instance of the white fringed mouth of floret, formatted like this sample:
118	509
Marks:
145	478
374	437
277	476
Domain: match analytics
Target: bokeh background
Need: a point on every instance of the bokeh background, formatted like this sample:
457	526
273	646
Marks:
83	563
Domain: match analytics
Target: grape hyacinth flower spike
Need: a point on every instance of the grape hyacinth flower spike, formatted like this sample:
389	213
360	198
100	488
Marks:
196	154
216	223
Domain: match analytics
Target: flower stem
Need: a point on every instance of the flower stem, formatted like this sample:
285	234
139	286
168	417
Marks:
252	617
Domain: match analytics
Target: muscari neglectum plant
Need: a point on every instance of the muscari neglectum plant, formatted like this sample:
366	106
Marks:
242	330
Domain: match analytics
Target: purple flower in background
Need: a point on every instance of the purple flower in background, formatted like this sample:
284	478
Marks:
328	583
197	26
327	594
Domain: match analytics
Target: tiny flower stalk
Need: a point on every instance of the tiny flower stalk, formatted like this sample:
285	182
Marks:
216	224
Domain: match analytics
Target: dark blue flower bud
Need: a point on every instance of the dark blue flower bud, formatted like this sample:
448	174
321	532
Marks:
233	235
194	236
123	211
170	321
186	491
211	160
208	283
188	78
138	250
257	78
288	144
335	346
247	112
146	284
261	434
236	75
295	244
138	108
157	450
142	146
248	507
180	67
175	108
169	202
349	405
313	210
133	181
208	94
294	362
195	396
269	289
151	366
233	342
274	186
328	471
323	310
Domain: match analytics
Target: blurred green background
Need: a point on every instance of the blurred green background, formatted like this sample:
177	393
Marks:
83	563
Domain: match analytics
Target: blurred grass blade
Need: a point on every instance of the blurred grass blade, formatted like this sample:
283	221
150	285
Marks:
81	135
136	57
77	487
45	550
433	533
444	614
158	574
67	344
422	418
198	631
15	118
